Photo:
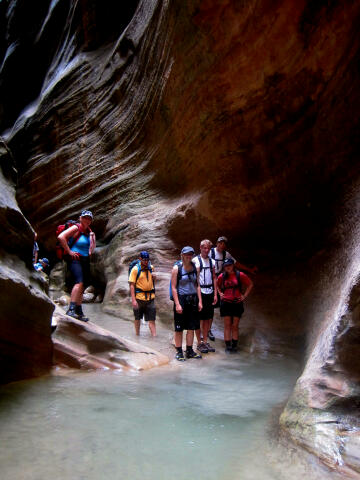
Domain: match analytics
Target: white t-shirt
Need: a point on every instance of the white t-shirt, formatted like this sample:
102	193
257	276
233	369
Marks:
205	273
219	259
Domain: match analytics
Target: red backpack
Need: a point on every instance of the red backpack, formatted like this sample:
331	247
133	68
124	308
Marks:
60	253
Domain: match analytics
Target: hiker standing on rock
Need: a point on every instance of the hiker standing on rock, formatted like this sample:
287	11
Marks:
142	292
78	260
230	284
219	255
185	289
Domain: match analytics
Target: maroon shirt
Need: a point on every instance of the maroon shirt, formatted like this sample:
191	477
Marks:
230	286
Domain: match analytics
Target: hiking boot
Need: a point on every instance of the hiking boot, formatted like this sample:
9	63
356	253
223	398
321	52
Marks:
72	313
209	347
80	313
211	336
202	347
180	356
192	354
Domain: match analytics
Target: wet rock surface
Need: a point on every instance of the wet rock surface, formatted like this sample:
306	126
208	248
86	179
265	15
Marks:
87	346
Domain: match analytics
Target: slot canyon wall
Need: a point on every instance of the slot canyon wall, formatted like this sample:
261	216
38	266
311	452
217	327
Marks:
181	120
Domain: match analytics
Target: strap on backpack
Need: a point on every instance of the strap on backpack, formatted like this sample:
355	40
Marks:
211	270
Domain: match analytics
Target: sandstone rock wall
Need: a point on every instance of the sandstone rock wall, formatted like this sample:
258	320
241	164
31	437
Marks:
182	120
25	310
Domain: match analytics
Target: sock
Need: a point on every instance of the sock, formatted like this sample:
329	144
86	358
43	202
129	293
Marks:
179	349
234	343
72	306
228	343
189	348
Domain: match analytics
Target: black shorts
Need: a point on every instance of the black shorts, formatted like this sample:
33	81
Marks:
207	311
80	270
189	318
231	309
146	309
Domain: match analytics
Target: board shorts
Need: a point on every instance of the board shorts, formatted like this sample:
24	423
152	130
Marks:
231	309
207	311
189	318
146	309
80	270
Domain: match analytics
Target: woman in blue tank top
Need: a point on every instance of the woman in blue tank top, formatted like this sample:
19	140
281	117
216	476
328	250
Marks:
79	243
187	303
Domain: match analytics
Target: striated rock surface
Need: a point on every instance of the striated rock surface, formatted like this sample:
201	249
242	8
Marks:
176	121
25	310
88	346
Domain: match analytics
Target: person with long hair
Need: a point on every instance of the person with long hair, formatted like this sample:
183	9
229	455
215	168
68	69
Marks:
230	285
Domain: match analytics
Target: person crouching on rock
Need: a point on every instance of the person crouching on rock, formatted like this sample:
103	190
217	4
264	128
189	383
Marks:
186	293
142	292
231	301
78	260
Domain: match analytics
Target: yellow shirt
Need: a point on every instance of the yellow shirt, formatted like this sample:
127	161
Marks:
144	282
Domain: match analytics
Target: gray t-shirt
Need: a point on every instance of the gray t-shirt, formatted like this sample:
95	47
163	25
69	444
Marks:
187	282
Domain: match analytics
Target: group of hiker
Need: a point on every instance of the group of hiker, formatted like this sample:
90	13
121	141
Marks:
199	284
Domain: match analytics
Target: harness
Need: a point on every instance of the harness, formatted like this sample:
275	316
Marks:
233	287
211	268
217	260
139	290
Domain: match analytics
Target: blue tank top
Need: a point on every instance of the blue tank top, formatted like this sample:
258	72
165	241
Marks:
187	283
82	245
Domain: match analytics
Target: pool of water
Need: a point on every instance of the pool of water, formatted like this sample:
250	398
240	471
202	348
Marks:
199	419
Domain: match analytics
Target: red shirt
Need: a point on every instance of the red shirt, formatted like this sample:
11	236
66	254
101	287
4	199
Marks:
231	288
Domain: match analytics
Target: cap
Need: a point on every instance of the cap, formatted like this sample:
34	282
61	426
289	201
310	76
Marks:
188	249
45	260
144	254
87	213
228	261
222	239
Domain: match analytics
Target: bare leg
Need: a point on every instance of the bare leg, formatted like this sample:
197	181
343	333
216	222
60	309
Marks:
227	328
198	333
205	328
178	336
77	293
137	327
152	328
189	338
235	328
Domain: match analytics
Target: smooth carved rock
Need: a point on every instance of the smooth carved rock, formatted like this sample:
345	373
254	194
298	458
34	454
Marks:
25	310
88	346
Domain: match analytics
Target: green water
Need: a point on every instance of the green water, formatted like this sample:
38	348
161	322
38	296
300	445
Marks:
204	419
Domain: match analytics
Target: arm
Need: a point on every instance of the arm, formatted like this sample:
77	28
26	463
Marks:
215	287
249	285
198	289
92	243
133	298
219	285
64	238
242	267
174	275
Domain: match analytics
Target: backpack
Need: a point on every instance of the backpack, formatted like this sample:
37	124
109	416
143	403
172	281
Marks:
217	260
179	265
60	253
137	263
203	268
237	273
